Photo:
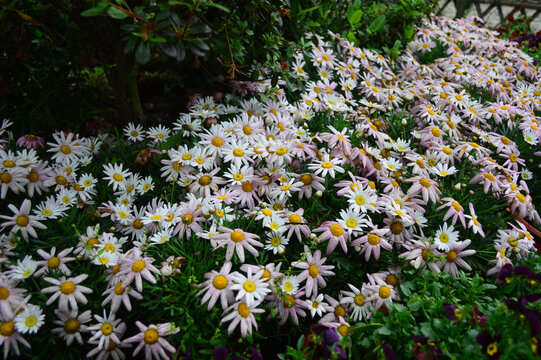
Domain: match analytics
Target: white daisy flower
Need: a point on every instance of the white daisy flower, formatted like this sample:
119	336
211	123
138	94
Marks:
30	320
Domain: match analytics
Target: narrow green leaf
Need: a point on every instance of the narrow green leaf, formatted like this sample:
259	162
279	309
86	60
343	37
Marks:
218	6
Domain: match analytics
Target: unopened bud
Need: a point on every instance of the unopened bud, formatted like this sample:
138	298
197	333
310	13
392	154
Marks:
318	194
404	122
313	237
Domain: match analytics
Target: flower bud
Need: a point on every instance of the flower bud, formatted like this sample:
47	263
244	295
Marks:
318	194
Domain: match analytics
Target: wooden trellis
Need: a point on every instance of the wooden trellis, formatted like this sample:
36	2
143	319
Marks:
513	7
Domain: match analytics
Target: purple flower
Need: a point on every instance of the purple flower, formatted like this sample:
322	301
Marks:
490	344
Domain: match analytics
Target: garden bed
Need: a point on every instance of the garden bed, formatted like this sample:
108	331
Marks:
366	208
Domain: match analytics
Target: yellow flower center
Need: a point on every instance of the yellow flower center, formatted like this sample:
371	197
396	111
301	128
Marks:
275	241
391	279
219	282
205	180
65	149
4	293
294	219
489	176
30	321
22	220
425	183
238	152
187	219
286	187
436	132
313	271
249	286
118	177
336	230
451	256
326	165
343	330
53	262
281	151
71	326
339	311
7	328
373	239
521	198
444	238
247	186
9	163
138	266
384	292
237	236
351	223
513	158
67	287
107	328
396	227
151	336
5	178
360	200
243	310
456	206
359	300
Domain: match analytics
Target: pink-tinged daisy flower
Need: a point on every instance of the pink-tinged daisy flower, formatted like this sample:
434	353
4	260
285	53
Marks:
218	286
10	297
419	252
12	179
296	224
455	210
445	237
427	187
334	232
474	224
71	325
237	240
206	183
67	148
114	348
152	339
22	221
240	313
357	300
10	337
70	291
489	181
454	258
373	242
326	166
136	268
106	330
51	261
250	287
30	141
118	294
380	292
37	178
313	273
289	306
310	183
336	312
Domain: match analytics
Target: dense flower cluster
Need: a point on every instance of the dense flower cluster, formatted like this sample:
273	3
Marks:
255	159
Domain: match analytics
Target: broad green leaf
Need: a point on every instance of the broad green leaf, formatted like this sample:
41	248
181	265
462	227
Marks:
142	54
98	10
116	13
355	18
377	24
169	49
